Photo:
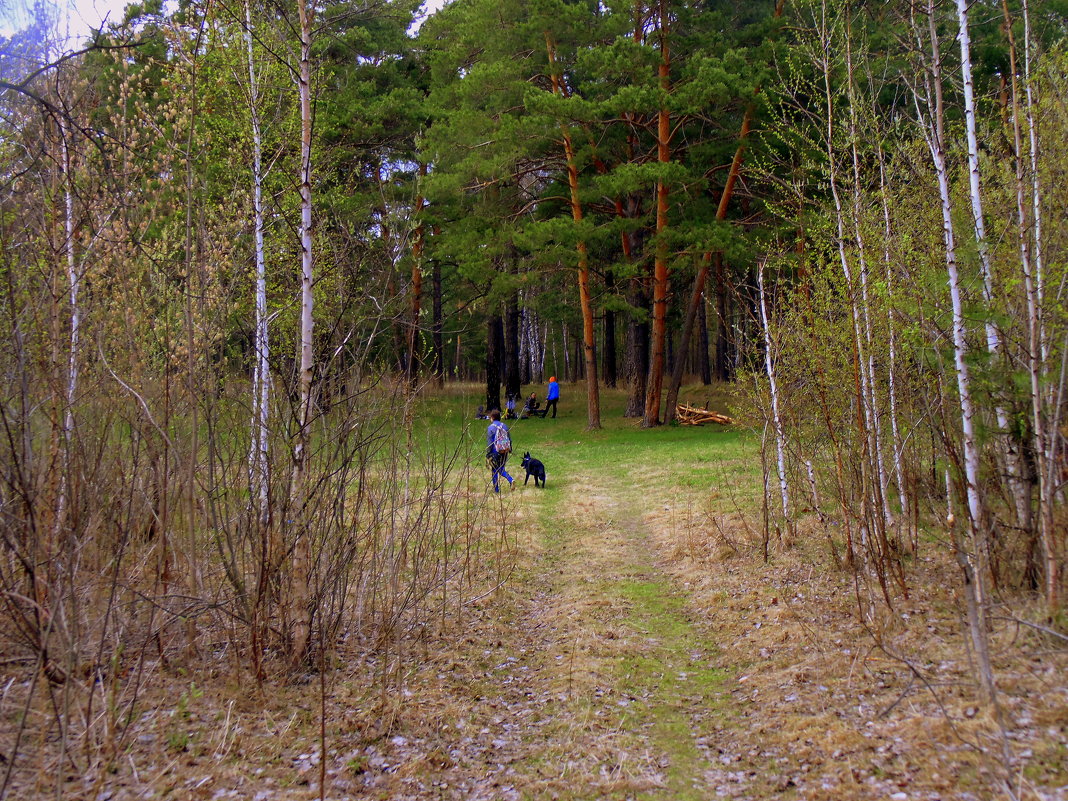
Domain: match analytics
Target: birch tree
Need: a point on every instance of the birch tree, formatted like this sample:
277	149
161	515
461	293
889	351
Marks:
261	374
930	111
300	599
1029	243
769	365
1021	493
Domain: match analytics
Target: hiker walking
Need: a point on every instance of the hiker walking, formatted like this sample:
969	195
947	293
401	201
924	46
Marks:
553	396
498	446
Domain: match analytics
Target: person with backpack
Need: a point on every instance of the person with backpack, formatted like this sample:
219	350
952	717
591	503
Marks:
498	446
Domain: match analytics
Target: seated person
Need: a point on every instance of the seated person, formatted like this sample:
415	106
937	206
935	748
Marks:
510	407
480	413
532	408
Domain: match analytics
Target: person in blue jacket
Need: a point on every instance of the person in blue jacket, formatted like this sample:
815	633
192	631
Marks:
497	460
553	396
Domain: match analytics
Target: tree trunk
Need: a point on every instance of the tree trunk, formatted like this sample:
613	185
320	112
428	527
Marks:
261	376
873	414
703	366
660	270
565	347
1029	258
194	288
1014	469
780	432
863	410
593	401
637	354
417	285
1053	543
74	287
723	370
973	579
494	346
892	371
300	600
608	354
439	342
512	384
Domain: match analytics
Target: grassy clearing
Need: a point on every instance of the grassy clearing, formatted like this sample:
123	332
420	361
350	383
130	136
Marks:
687	458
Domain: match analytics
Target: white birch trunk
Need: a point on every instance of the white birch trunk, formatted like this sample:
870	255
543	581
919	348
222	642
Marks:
949	499
1036	362
974	591
300	610
74	284
933	133
813	488
892	341
780	434
1036	207
992	337
261	376
1013	465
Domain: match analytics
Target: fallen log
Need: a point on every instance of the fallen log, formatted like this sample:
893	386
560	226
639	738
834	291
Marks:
691	416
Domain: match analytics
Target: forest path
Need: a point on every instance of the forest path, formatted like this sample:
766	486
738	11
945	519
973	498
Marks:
585	678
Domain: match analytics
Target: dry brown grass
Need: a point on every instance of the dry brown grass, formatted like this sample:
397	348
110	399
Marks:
844	703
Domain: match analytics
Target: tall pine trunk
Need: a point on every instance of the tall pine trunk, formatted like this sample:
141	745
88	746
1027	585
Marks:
697	295
660	267
608	354
589	341
637	348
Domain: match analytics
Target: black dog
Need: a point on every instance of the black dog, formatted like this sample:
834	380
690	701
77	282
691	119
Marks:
533	468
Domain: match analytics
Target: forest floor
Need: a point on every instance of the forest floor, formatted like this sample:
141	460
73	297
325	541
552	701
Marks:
643	648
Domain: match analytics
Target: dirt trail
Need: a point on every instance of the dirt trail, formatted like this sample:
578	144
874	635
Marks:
584	679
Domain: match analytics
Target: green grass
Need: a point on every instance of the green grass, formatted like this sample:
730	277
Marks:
698	460
669	674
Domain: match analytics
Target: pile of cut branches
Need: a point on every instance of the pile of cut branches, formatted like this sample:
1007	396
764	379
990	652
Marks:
691	416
